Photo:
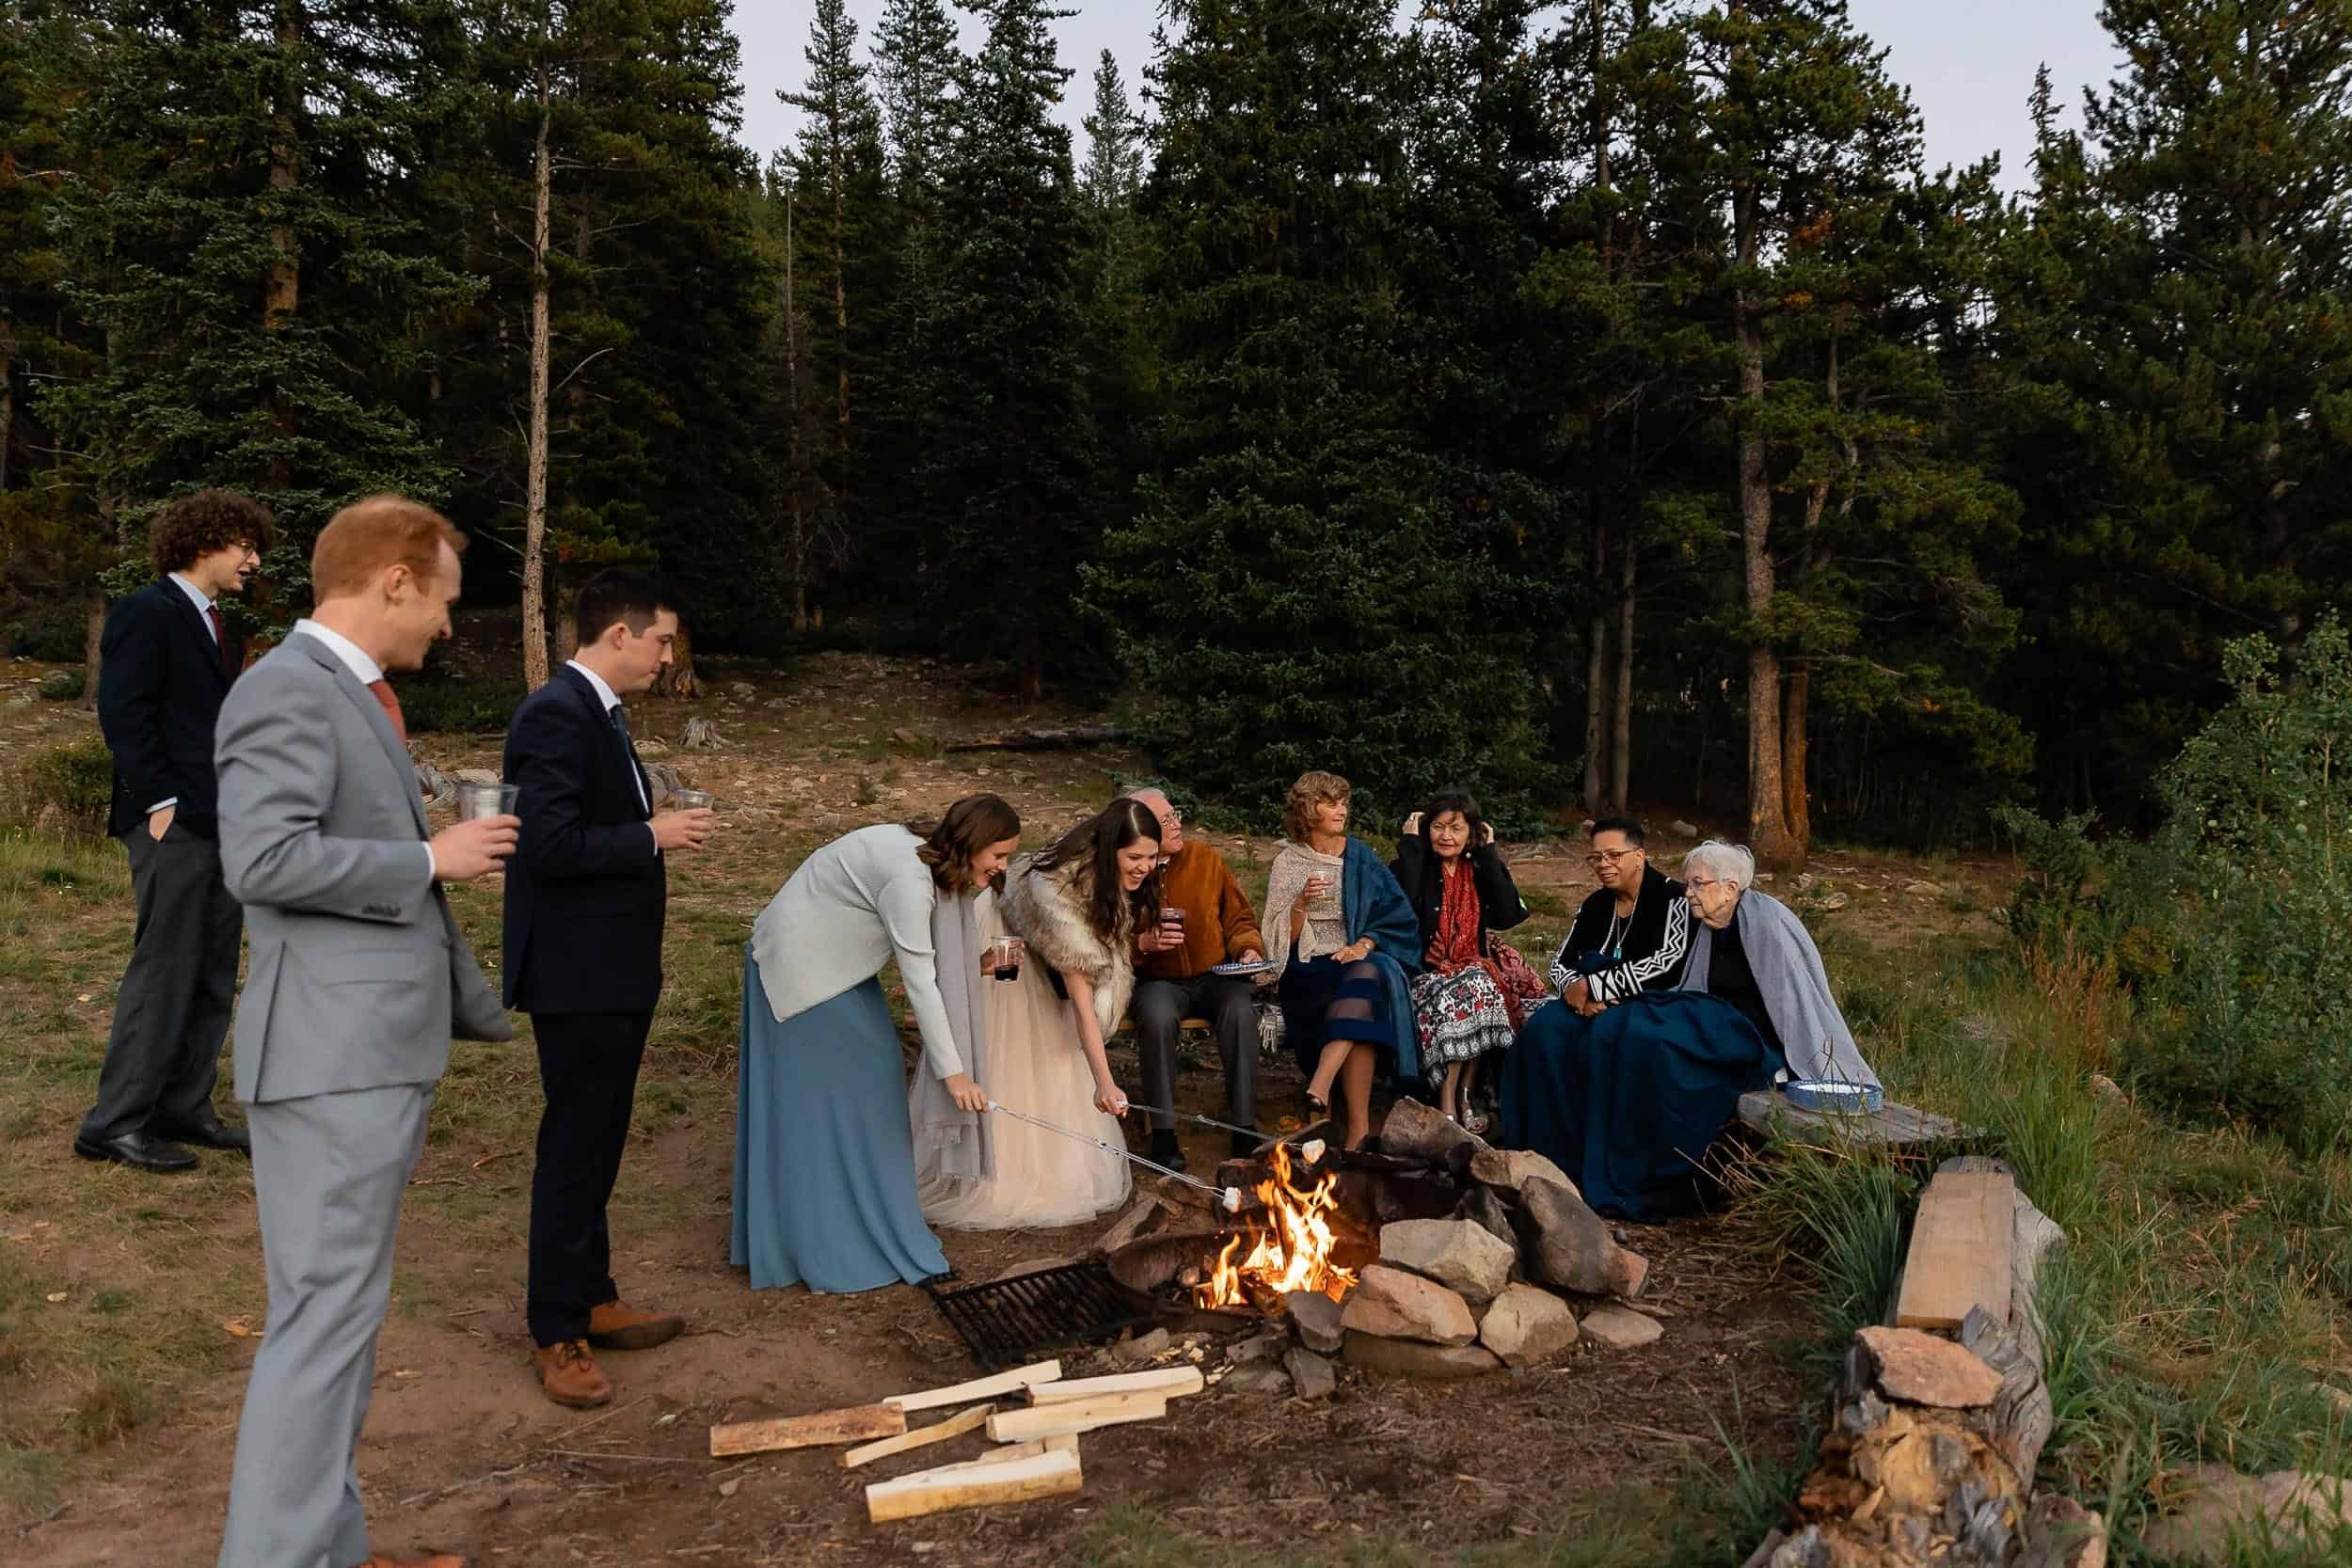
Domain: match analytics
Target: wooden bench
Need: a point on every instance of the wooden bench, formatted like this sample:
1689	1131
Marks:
1892	1125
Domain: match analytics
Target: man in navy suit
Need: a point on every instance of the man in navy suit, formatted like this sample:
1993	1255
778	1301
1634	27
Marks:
165	661
586	895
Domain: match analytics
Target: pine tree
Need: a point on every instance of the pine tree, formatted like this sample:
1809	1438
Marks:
1018	440
1288	594
1119	319
625	329
1115	145
259	248
2177	346
1813	152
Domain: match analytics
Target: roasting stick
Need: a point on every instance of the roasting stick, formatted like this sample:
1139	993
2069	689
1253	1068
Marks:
1202	1120
1229	1197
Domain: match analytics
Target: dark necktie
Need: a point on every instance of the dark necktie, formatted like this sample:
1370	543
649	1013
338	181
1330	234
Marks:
383	690
220	638
629	744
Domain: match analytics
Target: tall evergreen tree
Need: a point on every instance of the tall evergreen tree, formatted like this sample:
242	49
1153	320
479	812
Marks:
1119	319
1290	593
625	331
1018	442
261	247
2174	329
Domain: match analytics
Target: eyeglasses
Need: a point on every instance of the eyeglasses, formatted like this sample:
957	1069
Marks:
1609	857
1700	885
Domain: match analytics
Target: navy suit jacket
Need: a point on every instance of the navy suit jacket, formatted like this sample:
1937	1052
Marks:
160	681
585	890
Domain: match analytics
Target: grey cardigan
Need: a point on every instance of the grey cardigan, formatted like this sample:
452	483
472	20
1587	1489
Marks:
846	912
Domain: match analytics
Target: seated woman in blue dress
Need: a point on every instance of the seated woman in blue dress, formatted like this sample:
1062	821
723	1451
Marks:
1346	945
824	1153
1629	1102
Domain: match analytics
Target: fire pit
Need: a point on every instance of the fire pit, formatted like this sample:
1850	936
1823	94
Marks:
1400	1256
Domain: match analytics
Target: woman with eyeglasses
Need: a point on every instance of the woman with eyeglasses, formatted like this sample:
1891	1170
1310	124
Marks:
1626	1096
1631	934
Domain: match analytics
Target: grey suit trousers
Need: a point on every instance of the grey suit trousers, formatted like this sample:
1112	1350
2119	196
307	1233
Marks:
172	1012
328	1172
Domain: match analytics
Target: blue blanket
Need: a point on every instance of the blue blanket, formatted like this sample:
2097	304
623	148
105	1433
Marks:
1628	1102
1374	905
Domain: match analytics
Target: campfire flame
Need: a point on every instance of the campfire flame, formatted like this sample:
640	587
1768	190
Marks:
1286	1249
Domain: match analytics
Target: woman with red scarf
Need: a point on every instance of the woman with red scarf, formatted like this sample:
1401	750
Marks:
1474	990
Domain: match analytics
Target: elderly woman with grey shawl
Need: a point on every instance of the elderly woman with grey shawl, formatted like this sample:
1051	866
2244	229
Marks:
1630	1111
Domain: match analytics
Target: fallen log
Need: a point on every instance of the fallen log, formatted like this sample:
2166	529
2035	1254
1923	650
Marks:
1962	1245
1046	740
1167	1381
1044	1475
939	1432
807	1432
1055	1420
979	1389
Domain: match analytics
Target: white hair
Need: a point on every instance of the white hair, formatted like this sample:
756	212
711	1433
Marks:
1728	862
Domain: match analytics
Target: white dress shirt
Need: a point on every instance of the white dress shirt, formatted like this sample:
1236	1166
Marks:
611	700
354	658
204	608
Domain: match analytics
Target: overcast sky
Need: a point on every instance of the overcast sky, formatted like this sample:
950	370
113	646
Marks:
1969	66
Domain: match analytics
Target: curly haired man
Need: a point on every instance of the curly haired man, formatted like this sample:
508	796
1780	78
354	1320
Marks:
165	661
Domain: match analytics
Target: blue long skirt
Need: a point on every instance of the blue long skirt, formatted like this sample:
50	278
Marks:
1628	1102
824	1159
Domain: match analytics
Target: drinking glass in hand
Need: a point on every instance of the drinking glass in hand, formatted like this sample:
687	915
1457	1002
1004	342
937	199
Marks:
477	800
1172	924
1002	958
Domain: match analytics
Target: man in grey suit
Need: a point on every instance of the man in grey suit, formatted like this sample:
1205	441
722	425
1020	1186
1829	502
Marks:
359	977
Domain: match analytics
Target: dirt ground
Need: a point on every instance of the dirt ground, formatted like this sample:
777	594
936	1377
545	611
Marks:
121	1296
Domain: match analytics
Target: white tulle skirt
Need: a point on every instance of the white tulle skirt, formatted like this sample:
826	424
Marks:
1042	1179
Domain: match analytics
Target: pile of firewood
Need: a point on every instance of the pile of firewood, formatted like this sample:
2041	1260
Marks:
1037	1453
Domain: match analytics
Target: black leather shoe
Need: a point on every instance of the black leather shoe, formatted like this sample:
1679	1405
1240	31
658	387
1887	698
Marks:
1165	1150
142	1150
214	1134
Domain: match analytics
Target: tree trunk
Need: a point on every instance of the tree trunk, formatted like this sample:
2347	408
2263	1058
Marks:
281	283
678	680
93	639
535	461
1796	808
1596	726
8	405
1621	734
795	490
1768	827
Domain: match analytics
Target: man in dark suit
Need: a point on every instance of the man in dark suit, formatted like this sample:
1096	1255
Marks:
165	661
585	897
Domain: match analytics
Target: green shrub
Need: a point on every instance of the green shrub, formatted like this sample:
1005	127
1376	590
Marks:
61	686
53	635
2228	925
75	781
458	704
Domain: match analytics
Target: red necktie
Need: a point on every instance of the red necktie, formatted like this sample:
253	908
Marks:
220	637
383	690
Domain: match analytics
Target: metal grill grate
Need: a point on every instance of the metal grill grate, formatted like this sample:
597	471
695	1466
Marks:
1008	1321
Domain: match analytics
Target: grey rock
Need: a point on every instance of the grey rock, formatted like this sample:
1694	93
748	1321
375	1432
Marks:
1143	1347
1622	1329
1399	1305
1481	1207
1512	1168
1464	1257
1312	1376
1527	1327
1567	1246
1412	1358
1683	829
1259	1347
1263	1377
1317	1317
1417	1132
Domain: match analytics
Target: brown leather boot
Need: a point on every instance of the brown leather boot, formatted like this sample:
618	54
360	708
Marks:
617	1325
568	1375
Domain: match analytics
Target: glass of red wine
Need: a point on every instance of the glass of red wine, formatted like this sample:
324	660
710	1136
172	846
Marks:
1003	957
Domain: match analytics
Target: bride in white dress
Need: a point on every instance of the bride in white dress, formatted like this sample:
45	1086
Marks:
1076	907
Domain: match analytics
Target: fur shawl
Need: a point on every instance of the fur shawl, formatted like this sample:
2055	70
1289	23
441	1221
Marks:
1048	911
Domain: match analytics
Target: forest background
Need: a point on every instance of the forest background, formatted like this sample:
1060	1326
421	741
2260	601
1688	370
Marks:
1581	400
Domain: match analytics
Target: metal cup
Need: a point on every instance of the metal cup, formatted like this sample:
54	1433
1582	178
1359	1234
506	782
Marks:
478	801
693	800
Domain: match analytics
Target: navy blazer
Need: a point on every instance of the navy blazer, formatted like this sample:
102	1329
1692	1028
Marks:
160	681
585	890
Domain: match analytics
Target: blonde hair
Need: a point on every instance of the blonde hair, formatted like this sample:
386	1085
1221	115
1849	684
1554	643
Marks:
368	536
1313	789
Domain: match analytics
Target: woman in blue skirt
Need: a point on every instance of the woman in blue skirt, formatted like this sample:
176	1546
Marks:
824	1155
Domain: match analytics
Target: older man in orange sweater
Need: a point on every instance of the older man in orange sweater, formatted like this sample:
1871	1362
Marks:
1173	982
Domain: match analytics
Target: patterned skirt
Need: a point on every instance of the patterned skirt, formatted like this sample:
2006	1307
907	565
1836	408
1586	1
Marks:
1460	1015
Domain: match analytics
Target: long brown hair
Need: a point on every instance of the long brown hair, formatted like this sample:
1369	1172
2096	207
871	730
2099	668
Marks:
965	830
1095	844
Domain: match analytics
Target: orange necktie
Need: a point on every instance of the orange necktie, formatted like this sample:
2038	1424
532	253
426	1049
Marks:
384	694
